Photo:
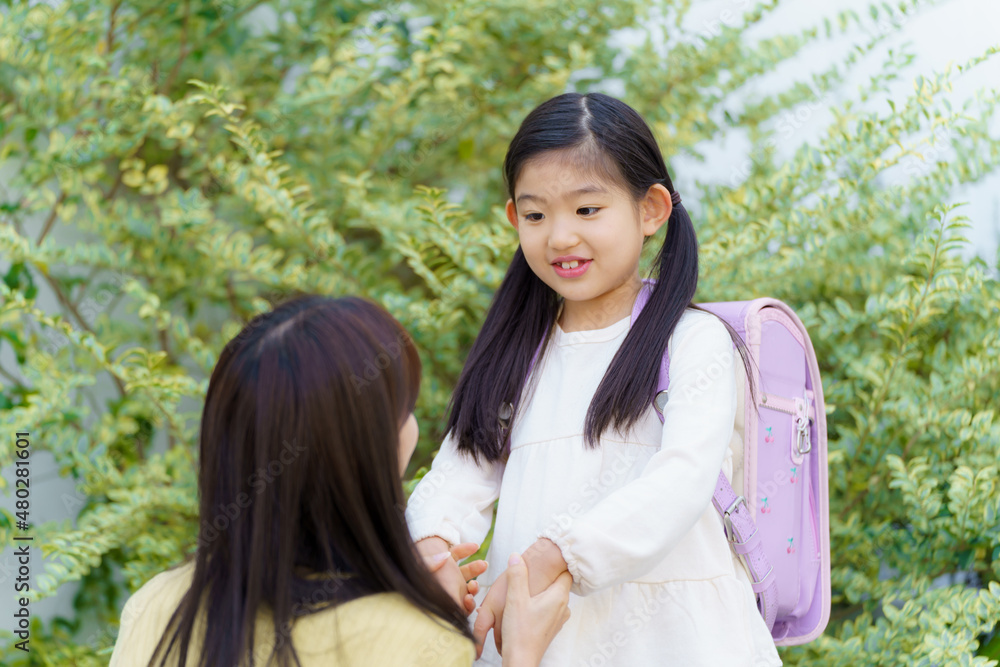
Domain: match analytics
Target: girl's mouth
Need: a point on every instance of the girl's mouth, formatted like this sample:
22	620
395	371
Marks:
571	269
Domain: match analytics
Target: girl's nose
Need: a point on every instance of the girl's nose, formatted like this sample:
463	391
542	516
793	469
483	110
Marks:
563	234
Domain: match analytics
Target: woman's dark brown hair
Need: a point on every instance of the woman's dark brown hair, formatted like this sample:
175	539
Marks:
299	481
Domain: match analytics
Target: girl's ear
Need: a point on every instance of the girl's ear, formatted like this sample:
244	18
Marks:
512	213
656	208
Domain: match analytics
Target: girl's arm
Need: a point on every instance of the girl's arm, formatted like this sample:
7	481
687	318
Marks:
631	530
454	500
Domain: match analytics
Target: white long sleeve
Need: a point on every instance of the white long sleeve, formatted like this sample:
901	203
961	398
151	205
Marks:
632	529
454	500
654	579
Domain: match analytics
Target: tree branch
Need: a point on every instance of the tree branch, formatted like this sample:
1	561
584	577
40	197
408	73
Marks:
51	219
4	372
883	391
109	39
66	303
184	51
231	294
165	344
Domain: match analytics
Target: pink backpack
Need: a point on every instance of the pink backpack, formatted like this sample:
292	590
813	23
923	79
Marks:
780	530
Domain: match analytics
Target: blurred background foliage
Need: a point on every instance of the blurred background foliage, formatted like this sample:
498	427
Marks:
188	164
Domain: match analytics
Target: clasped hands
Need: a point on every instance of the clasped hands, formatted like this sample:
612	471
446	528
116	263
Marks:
548	583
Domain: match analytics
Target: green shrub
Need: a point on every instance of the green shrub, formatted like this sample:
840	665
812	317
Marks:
209	158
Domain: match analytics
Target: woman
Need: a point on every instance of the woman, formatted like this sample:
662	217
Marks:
303	553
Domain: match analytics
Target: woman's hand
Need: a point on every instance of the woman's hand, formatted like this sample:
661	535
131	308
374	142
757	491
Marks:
532	622
458	581
545	564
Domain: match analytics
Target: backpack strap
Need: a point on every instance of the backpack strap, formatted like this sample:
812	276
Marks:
741	530
744	539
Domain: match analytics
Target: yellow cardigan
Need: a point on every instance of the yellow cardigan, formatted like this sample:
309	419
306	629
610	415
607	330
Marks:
377	630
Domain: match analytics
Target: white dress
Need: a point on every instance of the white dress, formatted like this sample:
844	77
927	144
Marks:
654	580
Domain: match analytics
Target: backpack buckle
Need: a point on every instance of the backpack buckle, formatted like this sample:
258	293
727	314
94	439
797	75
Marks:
731	536
728	523
803	442
803	418
504	414
660	400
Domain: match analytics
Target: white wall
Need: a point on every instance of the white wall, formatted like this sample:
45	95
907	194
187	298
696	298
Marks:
949	32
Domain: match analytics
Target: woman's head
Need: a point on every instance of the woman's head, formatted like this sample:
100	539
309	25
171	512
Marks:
300	464
303	413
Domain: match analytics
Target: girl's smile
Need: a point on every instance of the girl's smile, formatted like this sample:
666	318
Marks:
571	267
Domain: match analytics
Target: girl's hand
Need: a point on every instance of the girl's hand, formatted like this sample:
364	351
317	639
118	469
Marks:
545	565
532	621
443	563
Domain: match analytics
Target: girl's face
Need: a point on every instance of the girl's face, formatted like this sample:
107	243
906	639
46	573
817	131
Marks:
583	236
407	442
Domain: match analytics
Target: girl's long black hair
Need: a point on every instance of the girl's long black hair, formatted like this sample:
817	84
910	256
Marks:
299	483
612	138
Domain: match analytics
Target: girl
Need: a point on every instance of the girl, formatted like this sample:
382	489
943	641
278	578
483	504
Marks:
588	479
303	554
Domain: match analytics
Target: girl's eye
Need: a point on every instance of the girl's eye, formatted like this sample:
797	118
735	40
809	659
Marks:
533	217
587	210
